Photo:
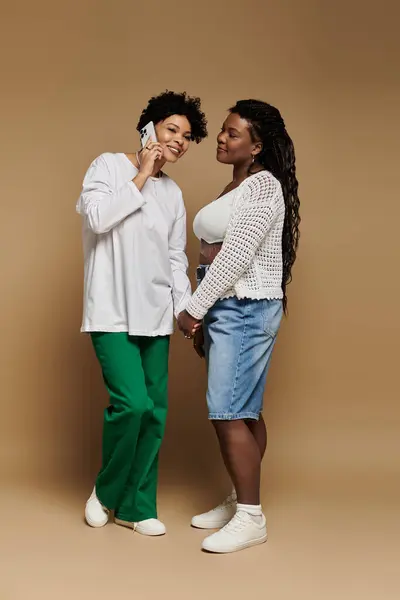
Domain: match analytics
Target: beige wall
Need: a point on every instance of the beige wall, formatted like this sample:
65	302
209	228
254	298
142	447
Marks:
75	78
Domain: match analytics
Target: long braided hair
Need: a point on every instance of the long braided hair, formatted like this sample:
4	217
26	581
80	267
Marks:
278	157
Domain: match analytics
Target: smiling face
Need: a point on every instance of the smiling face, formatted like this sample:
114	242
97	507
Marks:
235	145
174	134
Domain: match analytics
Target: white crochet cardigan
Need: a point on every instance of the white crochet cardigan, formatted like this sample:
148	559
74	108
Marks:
249	264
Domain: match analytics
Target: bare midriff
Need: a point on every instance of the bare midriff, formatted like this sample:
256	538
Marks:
208	252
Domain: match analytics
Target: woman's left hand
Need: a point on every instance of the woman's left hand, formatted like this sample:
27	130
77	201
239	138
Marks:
198	342
188	324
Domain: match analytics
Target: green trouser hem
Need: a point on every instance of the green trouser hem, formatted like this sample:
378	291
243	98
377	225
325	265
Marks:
135	519
135	372
131	518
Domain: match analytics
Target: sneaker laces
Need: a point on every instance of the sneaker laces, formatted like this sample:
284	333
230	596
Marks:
237	523
227	502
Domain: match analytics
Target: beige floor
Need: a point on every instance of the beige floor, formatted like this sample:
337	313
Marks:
320	547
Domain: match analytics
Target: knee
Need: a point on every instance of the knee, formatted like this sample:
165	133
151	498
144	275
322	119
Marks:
231	433
136	408
224	429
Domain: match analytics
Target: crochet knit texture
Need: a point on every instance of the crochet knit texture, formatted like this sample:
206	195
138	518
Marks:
249	264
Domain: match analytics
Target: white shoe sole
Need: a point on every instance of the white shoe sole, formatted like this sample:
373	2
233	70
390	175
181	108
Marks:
135	527
243	546
210	524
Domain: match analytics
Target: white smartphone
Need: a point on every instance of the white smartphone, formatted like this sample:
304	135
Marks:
147	133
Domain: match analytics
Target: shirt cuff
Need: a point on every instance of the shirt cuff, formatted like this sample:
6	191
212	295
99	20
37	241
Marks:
182	304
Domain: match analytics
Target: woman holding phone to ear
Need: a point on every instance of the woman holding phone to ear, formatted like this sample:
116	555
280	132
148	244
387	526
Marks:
135	280
249	238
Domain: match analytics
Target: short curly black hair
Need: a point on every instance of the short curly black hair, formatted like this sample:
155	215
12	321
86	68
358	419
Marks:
169	103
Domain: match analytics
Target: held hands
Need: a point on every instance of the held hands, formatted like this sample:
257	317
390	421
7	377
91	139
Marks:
188	324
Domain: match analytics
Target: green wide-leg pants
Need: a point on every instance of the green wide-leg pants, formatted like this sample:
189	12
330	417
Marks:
135	372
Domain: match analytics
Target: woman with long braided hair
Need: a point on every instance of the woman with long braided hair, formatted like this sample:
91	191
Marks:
249	238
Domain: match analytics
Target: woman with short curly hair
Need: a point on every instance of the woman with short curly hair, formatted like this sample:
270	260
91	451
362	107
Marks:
135	280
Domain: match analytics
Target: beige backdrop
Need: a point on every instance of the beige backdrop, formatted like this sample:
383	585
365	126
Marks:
75	77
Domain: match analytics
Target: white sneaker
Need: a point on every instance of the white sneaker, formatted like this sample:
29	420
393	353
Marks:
146	527
240	533
218	516
96	514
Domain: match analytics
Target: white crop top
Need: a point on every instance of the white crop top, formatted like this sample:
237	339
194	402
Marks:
211	222
250	262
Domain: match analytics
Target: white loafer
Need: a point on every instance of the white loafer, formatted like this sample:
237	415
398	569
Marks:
146	527
96	515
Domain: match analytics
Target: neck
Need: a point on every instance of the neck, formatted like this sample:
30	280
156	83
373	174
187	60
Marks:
240	172
158	165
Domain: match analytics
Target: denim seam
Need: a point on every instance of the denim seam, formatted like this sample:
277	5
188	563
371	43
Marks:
267	328
238	365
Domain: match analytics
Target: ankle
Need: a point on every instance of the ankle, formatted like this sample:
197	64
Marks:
255	510
248	500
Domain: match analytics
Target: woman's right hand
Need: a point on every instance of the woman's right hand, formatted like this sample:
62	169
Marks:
148	156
